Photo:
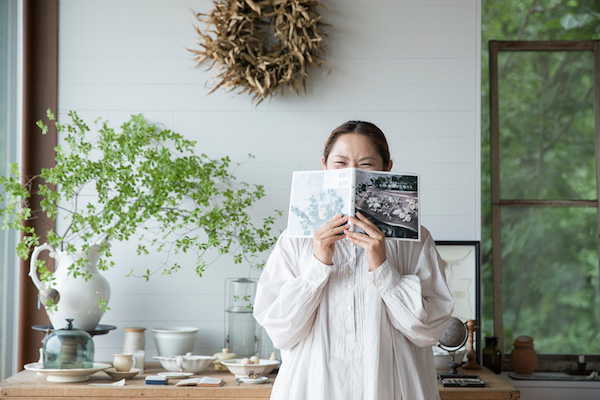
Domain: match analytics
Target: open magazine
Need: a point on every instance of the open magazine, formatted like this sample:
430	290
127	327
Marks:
389	199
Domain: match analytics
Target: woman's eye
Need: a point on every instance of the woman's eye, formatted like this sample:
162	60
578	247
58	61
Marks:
340	163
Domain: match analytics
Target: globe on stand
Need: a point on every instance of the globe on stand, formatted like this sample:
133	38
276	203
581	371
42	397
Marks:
453	339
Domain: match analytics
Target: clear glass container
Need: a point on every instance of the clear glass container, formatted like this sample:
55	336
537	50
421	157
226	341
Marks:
68	348
265	345
240	326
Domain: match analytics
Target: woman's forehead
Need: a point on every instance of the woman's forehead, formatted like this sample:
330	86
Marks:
353	143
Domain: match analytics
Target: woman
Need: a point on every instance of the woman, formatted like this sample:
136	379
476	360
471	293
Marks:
354	315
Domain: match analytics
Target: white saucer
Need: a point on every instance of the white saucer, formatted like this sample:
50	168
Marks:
175	375
260	379
118	375
66	375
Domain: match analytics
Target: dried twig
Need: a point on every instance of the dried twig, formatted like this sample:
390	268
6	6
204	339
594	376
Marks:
260	47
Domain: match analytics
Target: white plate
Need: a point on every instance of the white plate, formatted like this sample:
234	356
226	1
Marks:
175	375
260	379
66	375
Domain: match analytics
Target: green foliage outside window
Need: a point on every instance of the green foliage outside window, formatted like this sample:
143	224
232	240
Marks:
549	255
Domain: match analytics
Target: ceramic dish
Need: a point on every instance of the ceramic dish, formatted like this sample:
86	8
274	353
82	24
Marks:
175	375
260	379
187	363
117	375
264	367
66	375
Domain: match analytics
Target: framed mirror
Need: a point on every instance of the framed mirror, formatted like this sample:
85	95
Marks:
462	264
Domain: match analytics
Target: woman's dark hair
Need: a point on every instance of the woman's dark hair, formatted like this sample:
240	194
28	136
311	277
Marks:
364	128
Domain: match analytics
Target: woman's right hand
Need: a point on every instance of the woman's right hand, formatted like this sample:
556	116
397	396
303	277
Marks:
325	238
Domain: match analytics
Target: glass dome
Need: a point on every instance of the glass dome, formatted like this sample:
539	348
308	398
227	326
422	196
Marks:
68	348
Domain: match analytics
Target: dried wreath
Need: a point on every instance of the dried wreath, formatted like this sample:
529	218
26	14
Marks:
261	47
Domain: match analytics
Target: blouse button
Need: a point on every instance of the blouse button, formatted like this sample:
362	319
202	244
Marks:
349	286
349	308
352	259
350	272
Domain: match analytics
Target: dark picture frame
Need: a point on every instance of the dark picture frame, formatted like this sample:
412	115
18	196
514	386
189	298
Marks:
462	266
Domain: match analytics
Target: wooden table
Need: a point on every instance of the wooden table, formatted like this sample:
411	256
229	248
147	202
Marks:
27	385
495	388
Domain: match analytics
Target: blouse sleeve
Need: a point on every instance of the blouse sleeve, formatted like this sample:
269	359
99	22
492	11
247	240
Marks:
289	292
419	302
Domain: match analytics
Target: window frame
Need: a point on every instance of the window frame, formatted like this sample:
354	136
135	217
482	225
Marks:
547	362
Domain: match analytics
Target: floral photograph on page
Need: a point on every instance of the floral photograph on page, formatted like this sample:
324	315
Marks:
390	201
314	203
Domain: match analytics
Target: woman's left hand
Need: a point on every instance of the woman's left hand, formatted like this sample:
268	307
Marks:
373	242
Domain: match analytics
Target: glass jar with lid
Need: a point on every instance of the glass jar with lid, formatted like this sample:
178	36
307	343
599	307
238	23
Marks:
68	348
240	326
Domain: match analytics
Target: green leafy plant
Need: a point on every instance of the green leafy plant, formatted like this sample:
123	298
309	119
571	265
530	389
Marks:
137	183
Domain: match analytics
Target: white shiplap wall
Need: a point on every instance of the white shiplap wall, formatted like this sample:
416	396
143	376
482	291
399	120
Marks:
411	67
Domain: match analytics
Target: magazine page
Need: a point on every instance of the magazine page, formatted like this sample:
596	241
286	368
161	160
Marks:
391	201
316	197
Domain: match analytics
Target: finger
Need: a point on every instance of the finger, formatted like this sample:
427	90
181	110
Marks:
365	220
358	241
336	221
331	240
331	232
369	227
359	237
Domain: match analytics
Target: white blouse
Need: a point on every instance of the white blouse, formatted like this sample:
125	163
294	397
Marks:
349	334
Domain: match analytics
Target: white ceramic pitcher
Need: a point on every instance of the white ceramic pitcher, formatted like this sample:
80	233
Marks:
78	297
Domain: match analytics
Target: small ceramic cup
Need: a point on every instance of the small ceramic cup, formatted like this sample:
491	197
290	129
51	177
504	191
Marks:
123	362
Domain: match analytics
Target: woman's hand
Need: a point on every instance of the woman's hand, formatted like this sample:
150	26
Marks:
373	242
325	238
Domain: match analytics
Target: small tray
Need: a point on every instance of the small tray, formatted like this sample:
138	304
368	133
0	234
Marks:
449	380
100	329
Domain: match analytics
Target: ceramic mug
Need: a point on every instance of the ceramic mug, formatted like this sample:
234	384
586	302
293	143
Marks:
123	362
138	360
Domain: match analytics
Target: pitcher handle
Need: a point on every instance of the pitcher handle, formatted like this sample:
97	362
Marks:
33	268
179	360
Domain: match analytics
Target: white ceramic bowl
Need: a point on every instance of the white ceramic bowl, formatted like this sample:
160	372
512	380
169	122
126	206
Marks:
174	341
187	363
264	367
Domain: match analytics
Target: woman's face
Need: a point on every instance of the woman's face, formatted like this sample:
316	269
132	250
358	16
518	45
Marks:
354	150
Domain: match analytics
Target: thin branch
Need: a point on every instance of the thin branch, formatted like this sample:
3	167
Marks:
532	10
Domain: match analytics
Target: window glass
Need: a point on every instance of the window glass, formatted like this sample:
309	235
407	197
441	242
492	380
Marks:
550	278
546	129
8	136
546	125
